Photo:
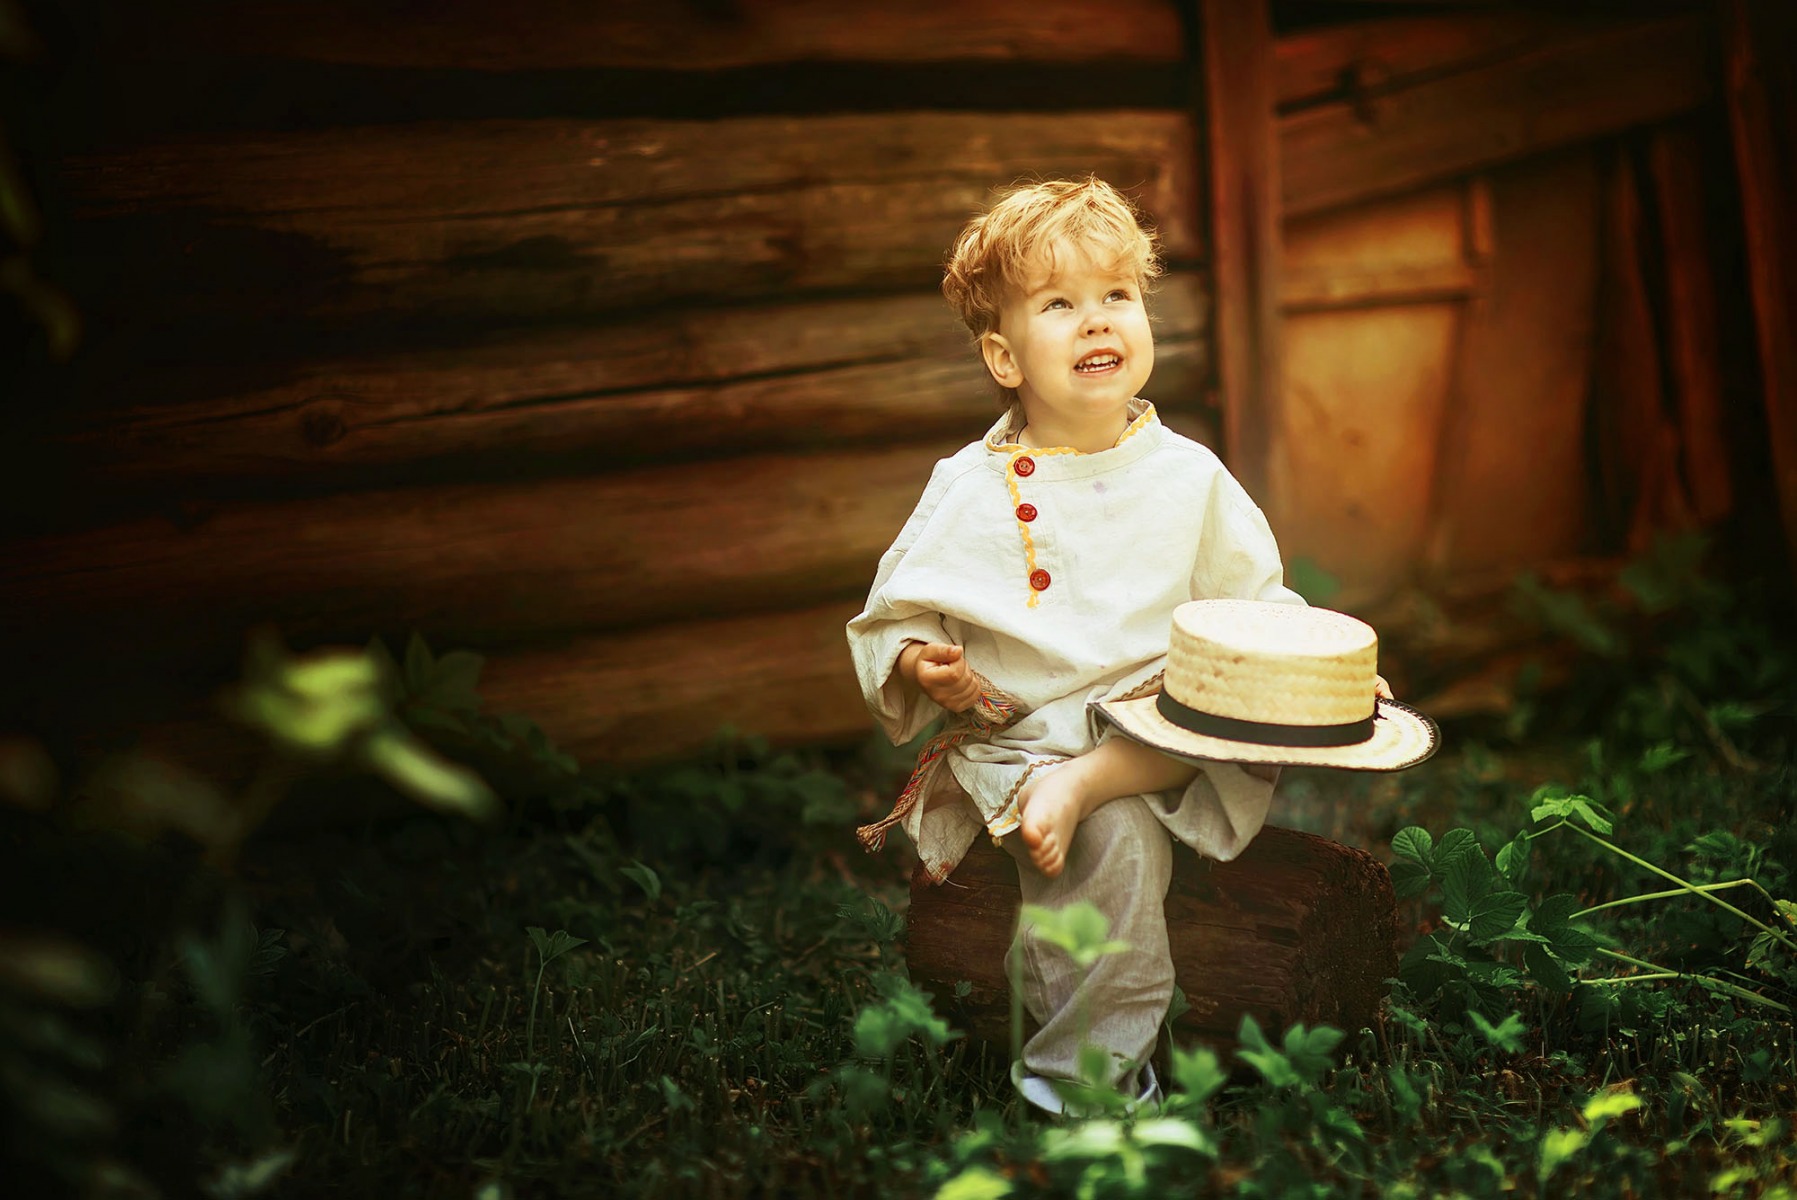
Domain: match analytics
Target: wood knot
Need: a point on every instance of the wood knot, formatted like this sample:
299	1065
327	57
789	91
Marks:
322	423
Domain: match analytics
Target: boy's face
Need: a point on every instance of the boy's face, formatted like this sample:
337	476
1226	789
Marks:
1074	342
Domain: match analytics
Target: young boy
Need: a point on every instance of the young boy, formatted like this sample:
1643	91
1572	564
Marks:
1038	576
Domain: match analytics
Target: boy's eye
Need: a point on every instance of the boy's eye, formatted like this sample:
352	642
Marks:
1118	294
1057	302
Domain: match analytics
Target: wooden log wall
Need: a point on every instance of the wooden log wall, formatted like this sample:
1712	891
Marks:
604	338
438	324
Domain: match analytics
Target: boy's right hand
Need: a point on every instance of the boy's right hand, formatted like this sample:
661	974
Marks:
941	672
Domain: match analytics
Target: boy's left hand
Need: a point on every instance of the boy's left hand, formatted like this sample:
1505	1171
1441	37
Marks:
1382	689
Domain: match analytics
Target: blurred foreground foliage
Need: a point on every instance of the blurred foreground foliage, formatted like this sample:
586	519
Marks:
497	972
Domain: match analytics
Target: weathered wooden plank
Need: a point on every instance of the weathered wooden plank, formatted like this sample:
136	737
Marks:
660	693
1692	333
1298	928
572	34
1639	443
468	564
1342	61
1569	91
1758	42
1369	344
681	384
1245	166
1405	250
1511	479
1365	396
514	221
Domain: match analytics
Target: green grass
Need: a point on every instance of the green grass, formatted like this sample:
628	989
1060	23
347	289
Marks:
690	982
703	1041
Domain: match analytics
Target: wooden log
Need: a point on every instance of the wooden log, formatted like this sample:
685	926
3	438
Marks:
662	693
1345	61
1245	165
1298	928
469	565
572	34
684	384
1568	91
510	222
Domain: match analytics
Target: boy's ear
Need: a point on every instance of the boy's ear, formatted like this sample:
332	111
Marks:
1000	361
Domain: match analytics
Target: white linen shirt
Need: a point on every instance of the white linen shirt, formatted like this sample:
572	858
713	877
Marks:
1058	573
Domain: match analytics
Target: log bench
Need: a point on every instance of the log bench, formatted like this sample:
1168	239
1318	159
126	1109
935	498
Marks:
1299	928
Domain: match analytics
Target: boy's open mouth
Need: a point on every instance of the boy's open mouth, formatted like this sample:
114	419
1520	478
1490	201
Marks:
1099	360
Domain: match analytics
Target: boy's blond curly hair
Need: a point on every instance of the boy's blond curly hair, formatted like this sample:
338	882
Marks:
998	249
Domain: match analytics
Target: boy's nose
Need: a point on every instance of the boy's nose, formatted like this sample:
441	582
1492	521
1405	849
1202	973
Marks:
1097	322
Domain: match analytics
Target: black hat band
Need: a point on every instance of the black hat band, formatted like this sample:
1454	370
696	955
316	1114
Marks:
1264	733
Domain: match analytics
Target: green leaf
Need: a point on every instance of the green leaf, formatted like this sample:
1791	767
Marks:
1605	1105
1549	807
1414	844
1558	1145
237	1180
1081	930
878	1032
1404	1092
1506	1035
1198	1073
1455	844
1273	1066
1591	815
325	676
644	877
1088	1140
551	946
1408	878
1513	857
1554	914
1494	915
975	1183
418	771
419	665
1177	1007
676	1099
1659	756
452	681
1467	879
1174	1134
1311	1052
1546	969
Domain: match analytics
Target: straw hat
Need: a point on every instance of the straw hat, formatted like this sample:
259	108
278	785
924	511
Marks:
1254	681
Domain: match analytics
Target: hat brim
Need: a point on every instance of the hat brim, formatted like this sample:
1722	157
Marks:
1402	737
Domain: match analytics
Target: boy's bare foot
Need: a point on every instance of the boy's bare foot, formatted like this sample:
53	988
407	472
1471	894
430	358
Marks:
1053	804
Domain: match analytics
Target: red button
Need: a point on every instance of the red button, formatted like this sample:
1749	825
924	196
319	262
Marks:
1039	580
1026	512
1024	465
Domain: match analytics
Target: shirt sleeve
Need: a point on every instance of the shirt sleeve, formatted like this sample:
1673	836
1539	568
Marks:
1239	558
890	619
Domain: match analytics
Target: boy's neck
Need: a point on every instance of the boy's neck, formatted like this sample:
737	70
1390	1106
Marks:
1087	439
